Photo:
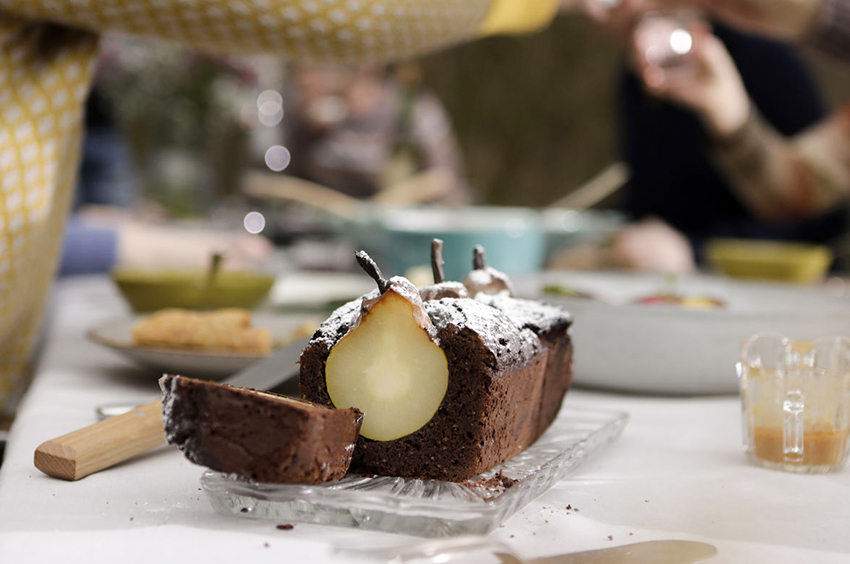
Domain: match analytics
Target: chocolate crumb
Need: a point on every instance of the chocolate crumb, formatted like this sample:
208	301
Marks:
498	482
503	480
569	507
611	537
285	527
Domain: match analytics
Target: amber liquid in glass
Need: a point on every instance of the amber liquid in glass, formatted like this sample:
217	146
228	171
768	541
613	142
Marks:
821	447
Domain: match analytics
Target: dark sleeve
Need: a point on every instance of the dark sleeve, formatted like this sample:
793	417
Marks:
832	31
88	250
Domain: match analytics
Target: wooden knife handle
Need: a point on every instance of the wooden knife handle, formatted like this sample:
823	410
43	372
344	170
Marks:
104	444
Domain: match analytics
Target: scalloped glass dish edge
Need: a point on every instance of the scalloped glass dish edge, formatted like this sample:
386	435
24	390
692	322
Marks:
427	508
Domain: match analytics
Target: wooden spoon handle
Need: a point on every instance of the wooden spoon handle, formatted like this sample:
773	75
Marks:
104	444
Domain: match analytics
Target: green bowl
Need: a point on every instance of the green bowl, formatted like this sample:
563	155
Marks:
770	260
150	290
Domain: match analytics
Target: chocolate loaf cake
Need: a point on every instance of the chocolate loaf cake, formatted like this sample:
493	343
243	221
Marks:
262	436
547	323
509	365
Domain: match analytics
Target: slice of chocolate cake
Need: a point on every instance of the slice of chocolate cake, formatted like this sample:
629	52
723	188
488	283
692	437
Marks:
508	366
262	436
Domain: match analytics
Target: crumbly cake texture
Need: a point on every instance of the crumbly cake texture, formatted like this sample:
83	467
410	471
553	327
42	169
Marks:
220	330
259	435
510	364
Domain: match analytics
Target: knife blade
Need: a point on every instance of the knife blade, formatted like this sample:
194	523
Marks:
271	372
108	442
650	552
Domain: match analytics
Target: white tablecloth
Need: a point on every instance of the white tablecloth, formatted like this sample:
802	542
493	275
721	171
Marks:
677	472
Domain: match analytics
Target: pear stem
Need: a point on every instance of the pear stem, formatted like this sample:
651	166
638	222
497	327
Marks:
479	259
437	261
214	268
371	268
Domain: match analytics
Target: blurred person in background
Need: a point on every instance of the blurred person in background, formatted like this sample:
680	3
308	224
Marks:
780	176
99	239
677	181
47	53
363	130
110	226
822	24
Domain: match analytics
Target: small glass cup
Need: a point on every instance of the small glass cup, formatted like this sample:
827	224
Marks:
796	403
665	40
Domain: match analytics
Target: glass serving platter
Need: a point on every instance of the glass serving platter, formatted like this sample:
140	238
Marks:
426	508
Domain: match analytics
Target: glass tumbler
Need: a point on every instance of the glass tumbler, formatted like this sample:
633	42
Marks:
796	402
665	40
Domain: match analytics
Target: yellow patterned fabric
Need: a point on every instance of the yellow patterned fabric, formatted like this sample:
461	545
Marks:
47	54
512	16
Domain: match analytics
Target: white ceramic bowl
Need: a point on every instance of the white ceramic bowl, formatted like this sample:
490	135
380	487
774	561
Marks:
566	228
666	349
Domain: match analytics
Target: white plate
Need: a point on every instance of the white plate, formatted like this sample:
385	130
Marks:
116	335
670	350
313	290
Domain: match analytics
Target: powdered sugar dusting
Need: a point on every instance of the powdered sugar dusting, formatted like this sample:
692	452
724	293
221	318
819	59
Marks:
168	384
405	288
500	334
348	316
340	321
506	326
536	316
488	280
443	290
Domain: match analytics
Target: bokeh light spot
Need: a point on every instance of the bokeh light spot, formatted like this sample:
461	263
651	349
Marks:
681	41
254	222
278	158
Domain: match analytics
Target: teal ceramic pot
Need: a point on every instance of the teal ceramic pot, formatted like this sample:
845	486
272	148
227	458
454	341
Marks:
514	239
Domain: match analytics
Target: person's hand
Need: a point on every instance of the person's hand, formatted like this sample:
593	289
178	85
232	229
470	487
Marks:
705	81
790	20
150	246
653	246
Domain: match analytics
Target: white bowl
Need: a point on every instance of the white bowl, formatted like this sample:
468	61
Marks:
667	349
566	228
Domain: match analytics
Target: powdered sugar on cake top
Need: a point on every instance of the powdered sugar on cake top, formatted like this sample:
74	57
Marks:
506	326
498	332
534	315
